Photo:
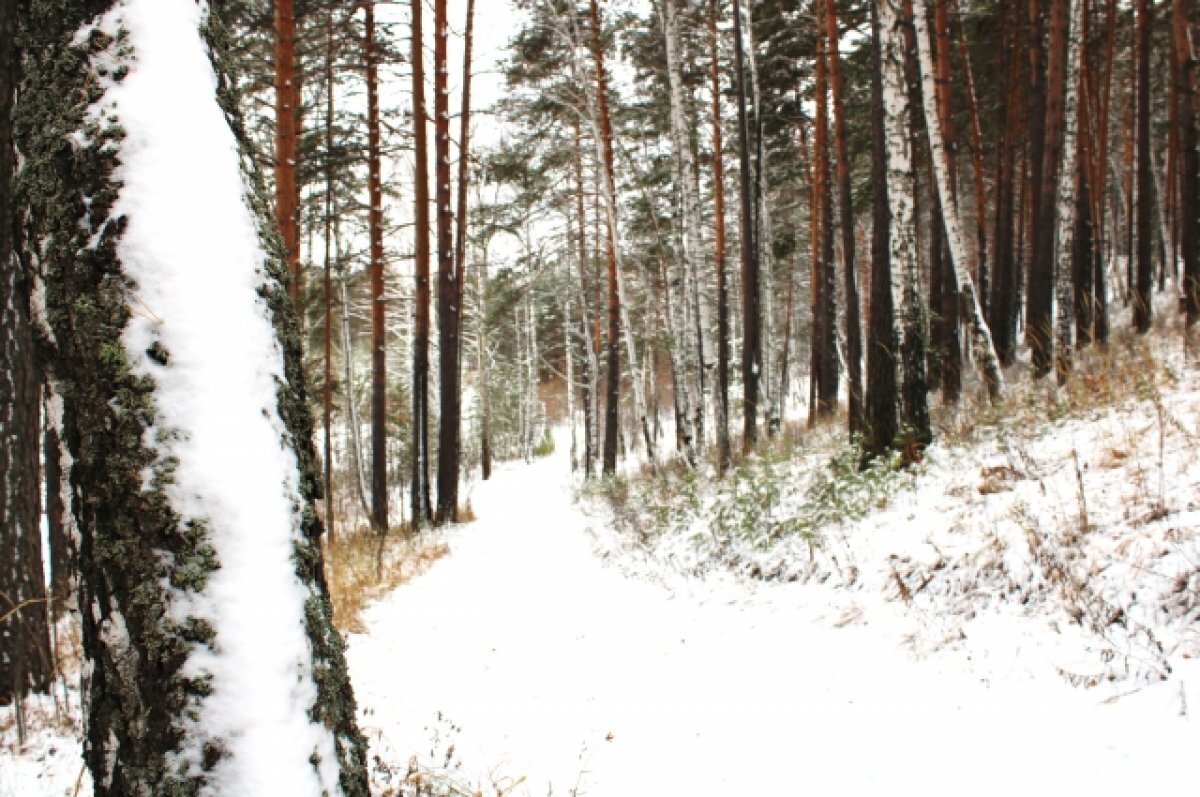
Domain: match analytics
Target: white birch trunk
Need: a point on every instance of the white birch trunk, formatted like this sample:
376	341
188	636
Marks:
981	335
688	337
569	355
900	184
1064	236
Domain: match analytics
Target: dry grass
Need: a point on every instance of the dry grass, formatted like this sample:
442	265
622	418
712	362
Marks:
363	567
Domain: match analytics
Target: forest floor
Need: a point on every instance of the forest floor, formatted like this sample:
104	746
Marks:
1016	614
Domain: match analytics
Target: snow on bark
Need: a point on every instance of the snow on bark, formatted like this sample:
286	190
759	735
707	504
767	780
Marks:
214	668
981	335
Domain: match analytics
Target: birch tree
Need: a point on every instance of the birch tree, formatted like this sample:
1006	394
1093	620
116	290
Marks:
985	351
1064	293
902	234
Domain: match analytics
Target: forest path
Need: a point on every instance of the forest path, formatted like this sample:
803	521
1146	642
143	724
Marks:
559	670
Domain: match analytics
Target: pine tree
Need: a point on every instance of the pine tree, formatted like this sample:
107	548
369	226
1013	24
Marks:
25	662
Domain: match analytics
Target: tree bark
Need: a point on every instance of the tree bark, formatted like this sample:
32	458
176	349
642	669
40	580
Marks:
751	341
448	281
882	427
1188	85
1068	180
1143	309
902	231
824	268
165	540
327	285
287	143
724	450
25	661
422	510
379	484
849	262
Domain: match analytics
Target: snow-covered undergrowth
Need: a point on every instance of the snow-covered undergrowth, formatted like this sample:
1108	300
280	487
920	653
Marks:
1066	516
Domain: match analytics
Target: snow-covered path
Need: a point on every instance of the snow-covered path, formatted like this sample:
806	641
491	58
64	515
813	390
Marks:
562	671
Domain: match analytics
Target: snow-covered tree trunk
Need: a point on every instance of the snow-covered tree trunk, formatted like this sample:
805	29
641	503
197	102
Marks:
213	664
1064	236
903	244
985	351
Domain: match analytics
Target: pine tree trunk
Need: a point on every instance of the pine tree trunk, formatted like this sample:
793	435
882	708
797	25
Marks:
422	510
188	692
825	268
845	197
25	662
948	343
881	423
1188	85
379	493
1002	308
449	303
1143	310
287	143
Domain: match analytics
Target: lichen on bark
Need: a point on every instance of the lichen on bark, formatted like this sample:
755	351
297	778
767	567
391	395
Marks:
138	557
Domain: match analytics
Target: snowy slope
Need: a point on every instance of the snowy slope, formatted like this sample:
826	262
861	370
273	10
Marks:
546	666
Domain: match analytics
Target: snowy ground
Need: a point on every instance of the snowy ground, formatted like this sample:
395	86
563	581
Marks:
549	672
550	654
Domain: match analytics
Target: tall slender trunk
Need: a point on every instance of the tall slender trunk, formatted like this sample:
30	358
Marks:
449	303
591	373
1068	181
1142	299
985	352
287	138
356	453
849	261
1002	309
824	267
613	398
1037	312
1042	268
1188	84
379	496
982	276
947	344
881	423
691	338
25	662
724	452
422	510
460	229
1103	234
327	286
751	342
902	230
